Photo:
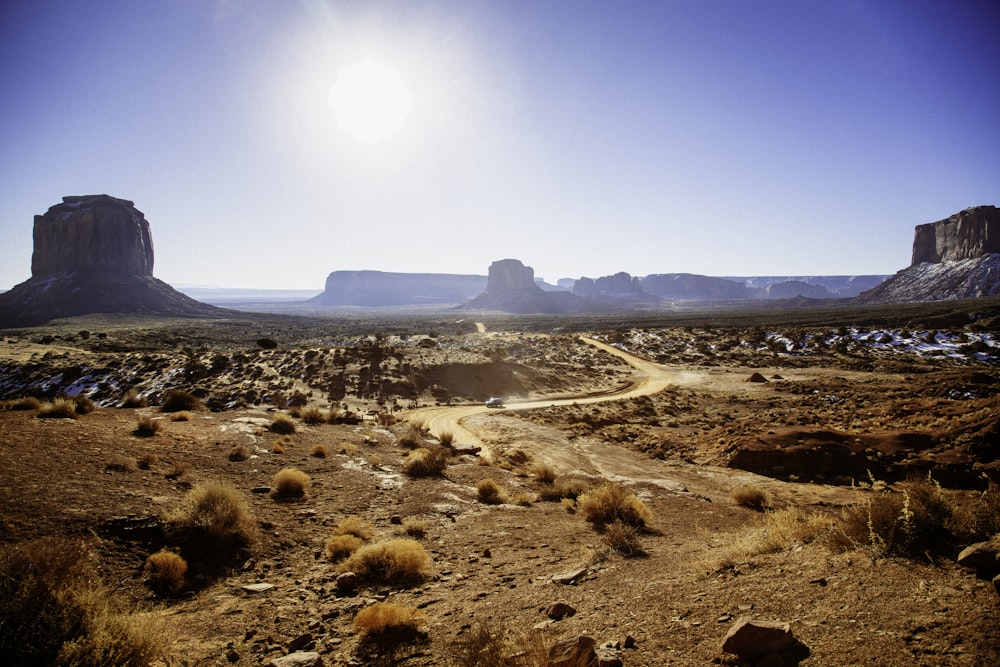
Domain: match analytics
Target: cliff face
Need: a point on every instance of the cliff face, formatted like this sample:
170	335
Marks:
511	288
693	287
380	288
94	234
93	254
968	234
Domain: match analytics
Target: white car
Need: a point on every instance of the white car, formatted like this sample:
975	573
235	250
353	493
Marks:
494	403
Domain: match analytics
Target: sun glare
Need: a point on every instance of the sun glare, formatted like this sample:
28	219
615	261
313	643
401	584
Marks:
370	101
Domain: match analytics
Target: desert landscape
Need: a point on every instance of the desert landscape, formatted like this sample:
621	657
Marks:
648	486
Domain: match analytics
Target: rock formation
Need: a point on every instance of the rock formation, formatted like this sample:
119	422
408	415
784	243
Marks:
380	288
693	287
511	288
93	254
968	234
954	258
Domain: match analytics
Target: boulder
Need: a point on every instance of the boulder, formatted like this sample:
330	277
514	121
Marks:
559	610
983	557
298	659
755	641
967	234
573	652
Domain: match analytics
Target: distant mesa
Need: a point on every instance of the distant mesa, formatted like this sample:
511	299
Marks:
375	289
954	258
511	288
93	254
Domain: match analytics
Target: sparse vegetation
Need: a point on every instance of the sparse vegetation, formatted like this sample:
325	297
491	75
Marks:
563	488
164	572
492	644
623	538
132	399
489	492
26	403
771	532
313	415
609	503
355	526
84	406
395	561
544	473
182	416
147	427
289	484
319	451
414	436
447	439
214	522
750	496
426	462
340	546
147	461
283	424
60	408
388	623
177	400
239	453
414	527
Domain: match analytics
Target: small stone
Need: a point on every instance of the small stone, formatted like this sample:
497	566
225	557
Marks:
257	588
300	642
571	577
573	652
559	610
983	557
346	583
396	520
752	640
299	659
630	642
819	581
487	553
232	655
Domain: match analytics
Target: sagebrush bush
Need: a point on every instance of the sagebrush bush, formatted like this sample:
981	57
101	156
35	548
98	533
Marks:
289	483
623	538
147	427
283	424
356	526
750	496
544	473
239	453
424	462
388	623
131	399
414	436
563	488
54	611
414	527
178	399
313	415
147	461
339	547
610	502
59	408
395	561
164	572
319	451
84	406
182	416
489	492
215	522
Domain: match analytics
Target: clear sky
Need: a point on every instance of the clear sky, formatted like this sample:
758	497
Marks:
722	137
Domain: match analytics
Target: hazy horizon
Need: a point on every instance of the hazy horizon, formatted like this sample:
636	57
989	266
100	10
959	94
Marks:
780	138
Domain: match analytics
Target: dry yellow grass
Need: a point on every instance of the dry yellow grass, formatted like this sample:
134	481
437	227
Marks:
395	561
770	532
747	495
164	572
489	492
289	483
319	451
339	547
215	518
355	526
283	424
610	502
426	462
387	622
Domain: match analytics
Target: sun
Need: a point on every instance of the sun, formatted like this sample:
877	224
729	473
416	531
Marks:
370	101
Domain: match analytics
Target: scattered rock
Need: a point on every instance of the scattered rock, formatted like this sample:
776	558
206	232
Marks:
608	657
396	520
257	588
570	577
983	557
630	642
298	659
573	652
756	377
300	642
755	640
559	611
346	583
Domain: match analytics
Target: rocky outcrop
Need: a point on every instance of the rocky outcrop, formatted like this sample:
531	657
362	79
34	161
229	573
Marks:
793	288
511	288
688	286
381	288
968	234
93	254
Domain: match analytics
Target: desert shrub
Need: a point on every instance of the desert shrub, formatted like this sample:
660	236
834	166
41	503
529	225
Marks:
750	496
521	499
395	561
355	526
447	439
182	416
544	473
147	461
610	502
623	538
131	399
278	447
339	547
282	424
977	519
120	464
26	403
178	399
426	462
388	623
563	488
319	451
178	469
494	644
214	522
60	408
772	532
913	523
53	611
347	448
414	527
267	343
489	492
375	460
289	483
239	453
414	436
164	572
147	427
84	406
312	415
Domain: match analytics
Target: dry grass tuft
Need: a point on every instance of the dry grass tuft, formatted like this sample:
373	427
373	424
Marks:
772	532
489	492
147	427
563	488
239	453
494	644
84	406
544	473
26	403
177	400
347	448
164	572
339	547
60	408
624	539
414	527
283	424
609	503
424	462
521	499
182	416
319	451
414	436
356	526
289	483
389	623
147	461
132	399
214	522
750	496
395	561
447	439
313	415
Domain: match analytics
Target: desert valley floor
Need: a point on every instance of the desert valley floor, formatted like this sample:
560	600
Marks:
752	441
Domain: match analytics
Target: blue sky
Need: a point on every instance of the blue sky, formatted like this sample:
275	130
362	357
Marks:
722	137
